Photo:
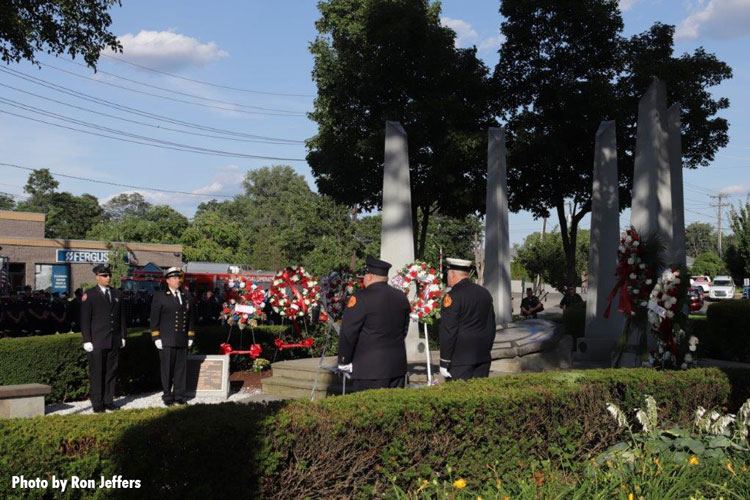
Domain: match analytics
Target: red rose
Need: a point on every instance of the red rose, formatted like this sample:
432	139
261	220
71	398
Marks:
427	310
432	271
424	266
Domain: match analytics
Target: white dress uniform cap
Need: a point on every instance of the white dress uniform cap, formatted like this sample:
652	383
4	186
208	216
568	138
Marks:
459	264
173	271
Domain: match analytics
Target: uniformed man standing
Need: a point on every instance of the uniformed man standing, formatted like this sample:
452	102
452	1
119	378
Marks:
103	326
373	329
467	325
172	330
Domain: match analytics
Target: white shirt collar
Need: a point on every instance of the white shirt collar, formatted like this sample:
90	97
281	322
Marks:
103	288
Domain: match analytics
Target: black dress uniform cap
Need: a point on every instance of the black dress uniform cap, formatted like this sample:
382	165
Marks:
459	264
102	269
173	271
376	266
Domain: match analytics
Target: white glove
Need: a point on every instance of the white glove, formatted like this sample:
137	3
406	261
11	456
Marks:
444	372
157	342
123	343
88	346
346	368
190	342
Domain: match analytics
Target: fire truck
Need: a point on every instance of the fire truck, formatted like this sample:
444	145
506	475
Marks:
198	277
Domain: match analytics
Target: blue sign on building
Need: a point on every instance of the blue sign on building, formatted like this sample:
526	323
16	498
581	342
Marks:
81	256
60	278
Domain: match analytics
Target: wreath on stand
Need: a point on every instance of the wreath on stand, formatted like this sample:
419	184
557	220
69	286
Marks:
243	310
424	306
336	288
294	294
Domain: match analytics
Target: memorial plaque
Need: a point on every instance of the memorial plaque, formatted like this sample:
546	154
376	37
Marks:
208	375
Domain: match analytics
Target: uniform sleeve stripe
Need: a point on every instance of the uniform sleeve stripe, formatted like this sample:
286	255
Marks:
191	334
155	334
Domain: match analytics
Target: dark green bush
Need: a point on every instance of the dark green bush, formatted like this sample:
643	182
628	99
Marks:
60	361
353	446
574	319
728	333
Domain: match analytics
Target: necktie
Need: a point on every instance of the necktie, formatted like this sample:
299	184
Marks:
106	292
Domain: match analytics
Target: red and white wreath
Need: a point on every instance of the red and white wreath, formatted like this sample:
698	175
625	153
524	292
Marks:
425	305
336	288
294	293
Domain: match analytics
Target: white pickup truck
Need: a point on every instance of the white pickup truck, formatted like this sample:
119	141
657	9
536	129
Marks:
722	288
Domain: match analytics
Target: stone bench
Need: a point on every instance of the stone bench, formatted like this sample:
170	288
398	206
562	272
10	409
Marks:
25	400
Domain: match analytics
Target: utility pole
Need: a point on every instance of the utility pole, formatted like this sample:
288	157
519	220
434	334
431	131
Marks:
718	205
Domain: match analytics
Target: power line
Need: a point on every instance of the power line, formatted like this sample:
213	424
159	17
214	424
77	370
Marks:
13	165
238	89
235	155
160	127
128	109
171	91
175	99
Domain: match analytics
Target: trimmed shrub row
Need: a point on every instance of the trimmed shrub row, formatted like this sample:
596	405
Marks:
355	446
728	333
60	361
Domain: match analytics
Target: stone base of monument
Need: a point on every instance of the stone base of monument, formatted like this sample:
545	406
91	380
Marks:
531	345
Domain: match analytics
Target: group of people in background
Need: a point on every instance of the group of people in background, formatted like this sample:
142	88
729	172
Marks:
26	313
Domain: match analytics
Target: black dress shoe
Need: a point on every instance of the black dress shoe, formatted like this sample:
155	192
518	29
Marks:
111	407
99	410
180	402
168	403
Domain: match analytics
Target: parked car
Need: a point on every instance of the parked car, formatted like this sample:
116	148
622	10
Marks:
722	288
695	294
702	281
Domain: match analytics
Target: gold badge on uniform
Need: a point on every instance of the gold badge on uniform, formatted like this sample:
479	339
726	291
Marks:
352	302
447	300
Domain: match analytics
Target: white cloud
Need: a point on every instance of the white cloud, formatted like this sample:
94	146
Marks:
464	31
736	189
491	43
722	19
168	50
626	5
228	182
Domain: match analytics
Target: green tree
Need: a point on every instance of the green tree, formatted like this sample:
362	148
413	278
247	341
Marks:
700	238
124	204
380	60
212	237
544	257
737	255
119	267
73	27
564	68
708	264
160	224
7	202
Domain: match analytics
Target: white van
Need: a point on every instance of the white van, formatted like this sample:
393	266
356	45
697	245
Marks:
722	288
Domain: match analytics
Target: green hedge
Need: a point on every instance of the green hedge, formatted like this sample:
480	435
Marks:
60	361
355	446
727	335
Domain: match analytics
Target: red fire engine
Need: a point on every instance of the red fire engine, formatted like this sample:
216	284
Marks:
199	277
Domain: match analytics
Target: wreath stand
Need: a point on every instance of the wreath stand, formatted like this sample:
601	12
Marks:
332	326
428	353
255	349
306	342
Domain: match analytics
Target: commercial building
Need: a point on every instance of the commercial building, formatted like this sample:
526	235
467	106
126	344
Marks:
61	265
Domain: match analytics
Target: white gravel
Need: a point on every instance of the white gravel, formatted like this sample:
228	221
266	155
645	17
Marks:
148	400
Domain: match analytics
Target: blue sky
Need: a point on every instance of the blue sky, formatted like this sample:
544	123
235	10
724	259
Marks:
261	47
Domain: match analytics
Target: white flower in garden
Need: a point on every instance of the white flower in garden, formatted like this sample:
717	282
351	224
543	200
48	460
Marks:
630	261
688	358
642	266
636	243
669	314
618	415
632	276
295	277
683	366
649	281
628	239
622	248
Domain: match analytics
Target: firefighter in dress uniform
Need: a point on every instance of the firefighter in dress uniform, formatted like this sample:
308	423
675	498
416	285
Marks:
103	327
373	329
172	330
467	325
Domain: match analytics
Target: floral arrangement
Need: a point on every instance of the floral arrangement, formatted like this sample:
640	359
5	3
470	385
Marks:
666	319
294	293
425	305
336	288
634	272
246	305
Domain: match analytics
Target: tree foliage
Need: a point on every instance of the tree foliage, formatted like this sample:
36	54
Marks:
545	257
125	204
737	254
563	69
159	224
7	202
708	264
700	238
380	60
73	27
